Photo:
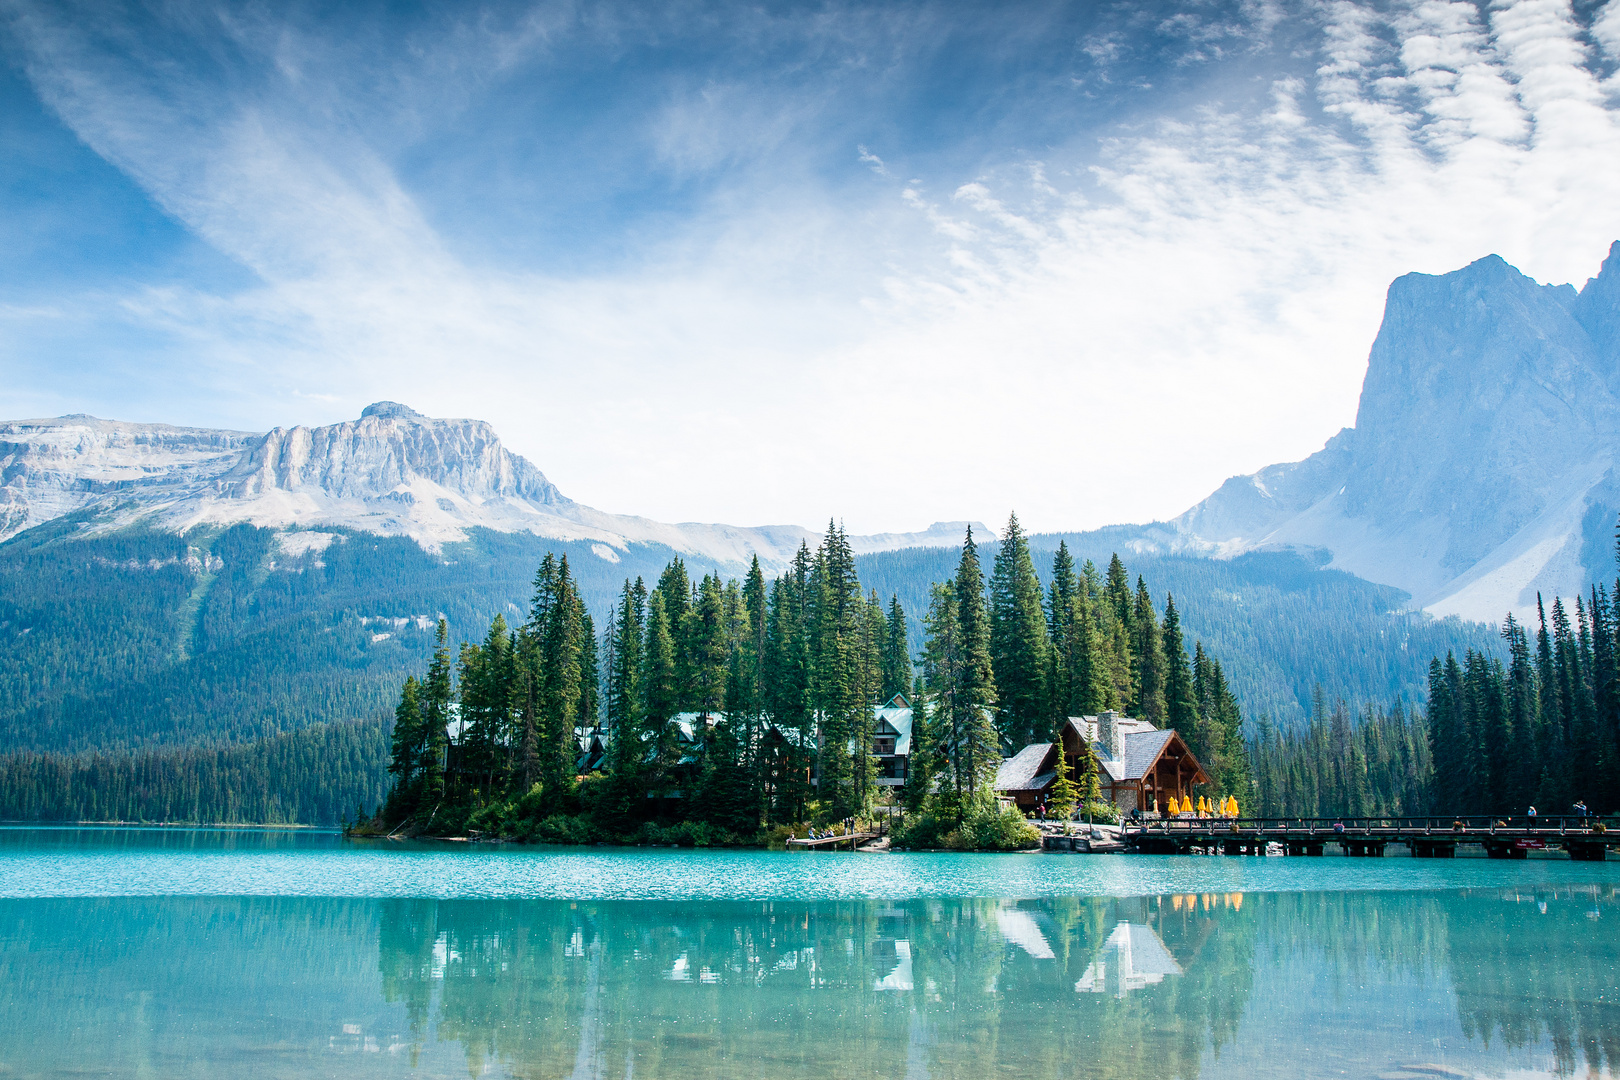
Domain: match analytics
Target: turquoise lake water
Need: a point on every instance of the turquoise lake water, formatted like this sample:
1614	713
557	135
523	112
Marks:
159	953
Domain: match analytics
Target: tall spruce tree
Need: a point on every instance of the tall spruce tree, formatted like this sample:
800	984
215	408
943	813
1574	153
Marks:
786	693
896	653
709	645
676	588
961	689
1148	650
623	708
408	738
838	688
1018	643
437	693
1180	705
1062	616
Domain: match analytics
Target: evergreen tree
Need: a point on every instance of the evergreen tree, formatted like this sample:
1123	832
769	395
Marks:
658	676
1148	650
676	588
408	739
1180	706
564	679
1090	780
839	692
1018	644
1064	794
624	699
1063	609
896	653
961	688
437	693
1523	771
786	693
708	641
924	766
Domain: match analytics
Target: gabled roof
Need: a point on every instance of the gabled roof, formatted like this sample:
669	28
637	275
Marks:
1023	772
900	721
1141	741
1142	749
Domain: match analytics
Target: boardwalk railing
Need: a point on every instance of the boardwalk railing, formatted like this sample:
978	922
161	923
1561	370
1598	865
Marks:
1434	835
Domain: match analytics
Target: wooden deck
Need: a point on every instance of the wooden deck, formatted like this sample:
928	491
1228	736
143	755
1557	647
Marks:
1424	837
854	840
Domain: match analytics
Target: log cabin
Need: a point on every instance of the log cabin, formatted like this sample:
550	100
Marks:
1139	766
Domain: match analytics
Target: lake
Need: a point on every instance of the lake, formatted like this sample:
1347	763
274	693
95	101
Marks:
177	953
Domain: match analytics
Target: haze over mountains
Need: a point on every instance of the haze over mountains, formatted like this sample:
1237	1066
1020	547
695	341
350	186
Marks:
1481	470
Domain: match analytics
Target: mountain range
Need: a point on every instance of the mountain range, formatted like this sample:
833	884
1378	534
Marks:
1481	470
173	586
393	472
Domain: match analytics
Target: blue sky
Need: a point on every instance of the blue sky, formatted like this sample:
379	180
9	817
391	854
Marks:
763	263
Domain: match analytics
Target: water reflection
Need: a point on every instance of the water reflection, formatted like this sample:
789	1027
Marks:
959	987
1286	984
1132	958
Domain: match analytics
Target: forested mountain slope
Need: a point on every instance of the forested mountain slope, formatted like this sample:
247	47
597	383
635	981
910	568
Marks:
140	637
1280	624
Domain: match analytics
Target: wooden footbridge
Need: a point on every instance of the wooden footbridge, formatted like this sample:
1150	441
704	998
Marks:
832	843
1425	837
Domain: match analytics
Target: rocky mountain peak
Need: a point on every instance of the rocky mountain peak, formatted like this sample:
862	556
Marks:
1486	445
392	410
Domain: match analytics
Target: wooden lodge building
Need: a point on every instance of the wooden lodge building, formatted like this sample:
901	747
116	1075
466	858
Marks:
1139	766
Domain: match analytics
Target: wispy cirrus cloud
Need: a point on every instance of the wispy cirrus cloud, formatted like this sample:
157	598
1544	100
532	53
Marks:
817	310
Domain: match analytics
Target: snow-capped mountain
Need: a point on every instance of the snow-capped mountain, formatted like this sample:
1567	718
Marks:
1482	466
393	472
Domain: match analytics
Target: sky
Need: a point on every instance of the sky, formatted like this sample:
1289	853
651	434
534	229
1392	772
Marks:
891	262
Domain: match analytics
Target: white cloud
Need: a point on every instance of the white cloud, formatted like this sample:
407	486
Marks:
1086	344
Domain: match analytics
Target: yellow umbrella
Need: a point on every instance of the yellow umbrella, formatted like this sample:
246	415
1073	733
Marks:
1175	808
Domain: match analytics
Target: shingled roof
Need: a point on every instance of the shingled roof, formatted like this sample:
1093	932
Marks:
1141	751
1022	771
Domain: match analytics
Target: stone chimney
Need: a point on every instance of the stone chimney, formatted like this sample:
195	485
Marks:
1110	735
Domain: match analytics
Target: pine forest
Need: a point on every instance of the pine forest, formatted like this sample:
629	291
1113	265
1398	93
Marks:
723	711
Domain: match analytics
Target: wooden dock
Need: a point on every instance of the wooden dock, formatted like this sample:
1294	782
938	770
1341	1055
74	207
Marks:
1425	837
831	843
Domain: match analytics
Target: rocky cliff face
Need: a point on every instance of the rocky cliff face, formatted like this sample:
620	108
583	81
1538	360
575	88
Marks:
390	449
49	468
1482	465
393	472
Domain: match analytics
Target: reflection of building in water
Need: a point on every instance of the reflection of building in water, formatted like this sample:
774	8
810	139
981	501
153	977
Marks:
1019	928
899	976
1131	958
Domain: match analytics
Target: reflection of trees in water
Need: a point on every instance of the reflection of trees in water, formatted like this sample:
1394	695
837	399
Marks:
938	987
1519	975
1524	967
